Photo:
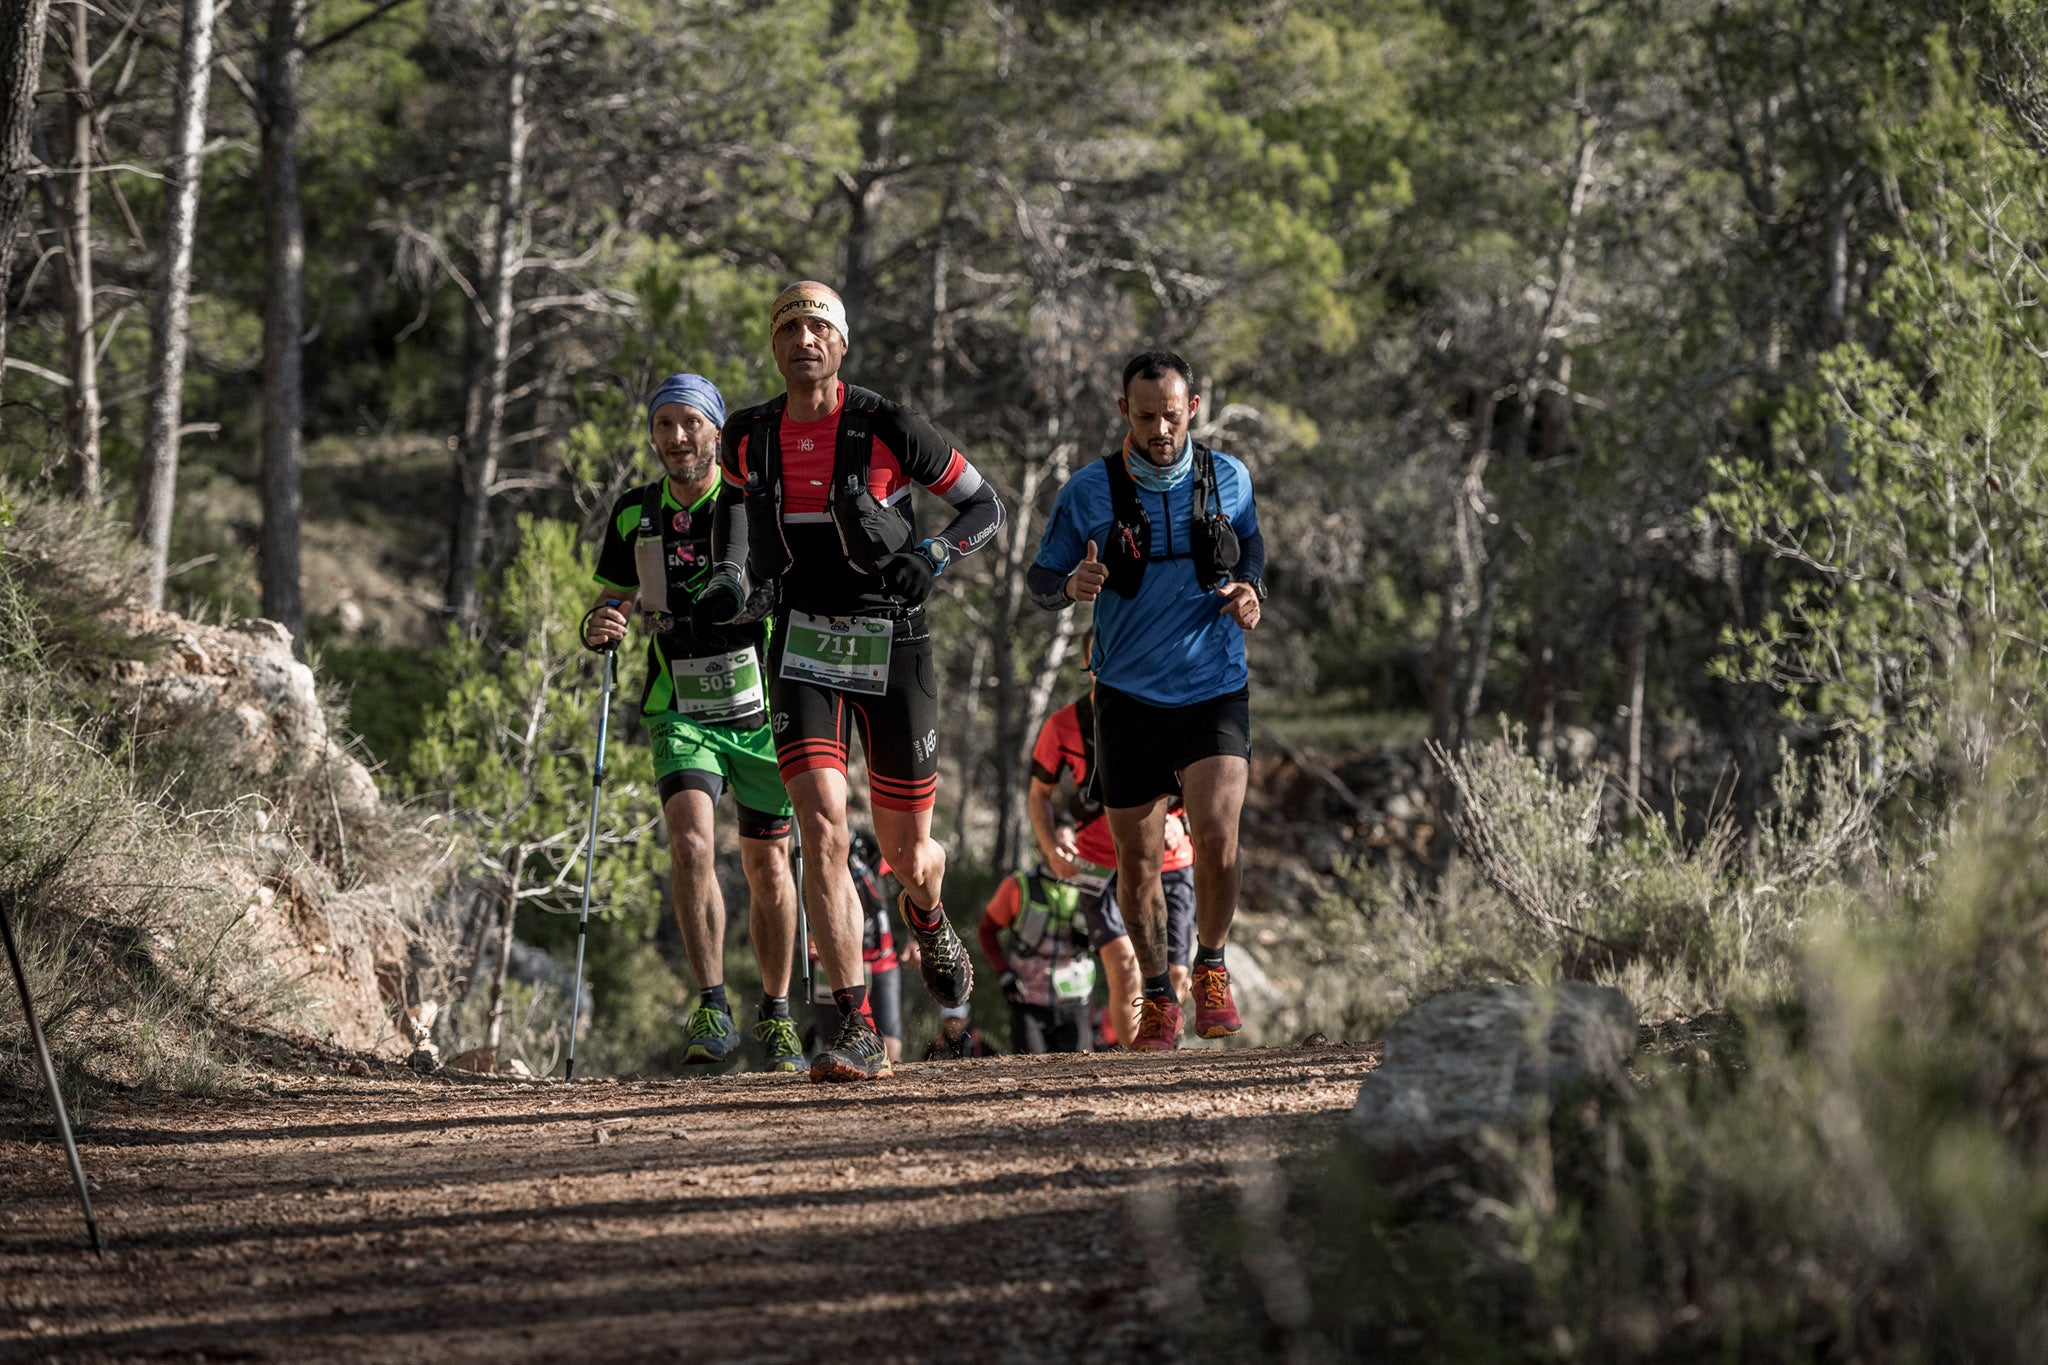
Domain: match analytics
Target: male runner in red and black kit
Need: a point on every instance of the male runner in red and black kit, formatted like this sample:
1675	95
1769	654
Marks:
819	481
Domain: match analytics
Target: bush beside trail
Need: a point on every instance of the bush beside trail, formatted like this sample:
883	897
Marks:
1839	1151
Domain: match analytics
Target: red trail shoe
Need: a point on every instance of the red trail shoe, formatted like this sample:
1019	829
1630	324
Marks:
1215	1011
1158	1026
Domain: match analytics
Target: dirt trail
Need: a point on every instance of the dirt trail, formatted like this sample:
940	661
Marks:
1008	1209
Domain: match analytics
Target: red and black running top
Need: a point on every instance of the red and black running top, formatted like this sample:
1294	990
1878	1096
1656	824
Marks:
907	451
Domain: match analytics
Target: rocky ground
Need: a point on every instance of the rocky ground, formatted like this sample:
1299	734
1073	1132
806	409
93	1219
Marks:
1007	1209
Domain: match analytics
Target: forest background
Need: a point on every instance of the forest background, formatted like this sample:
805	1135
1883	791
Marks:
1665	369
1663	372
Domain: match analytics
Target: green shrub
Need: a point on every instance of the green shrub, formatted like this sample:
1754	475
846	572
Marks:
1682	925
1854	1167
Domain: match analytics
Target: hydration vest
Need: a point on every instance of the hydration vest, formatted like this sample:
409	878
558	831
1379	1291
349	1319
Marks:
868	530
1212	541
1042	935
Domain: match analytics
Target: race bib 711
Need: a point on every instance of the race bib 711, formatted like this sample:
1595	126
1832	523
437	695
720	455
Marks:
850	653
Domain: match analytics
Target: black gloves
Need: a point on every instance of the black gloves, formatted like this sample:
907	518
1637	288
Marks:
1012	992
907	576
722	599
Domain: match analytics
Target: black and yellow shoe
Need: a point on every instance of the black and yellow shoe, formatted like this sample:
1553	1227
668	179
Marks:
942	962
782	1049
712	1036
857	1054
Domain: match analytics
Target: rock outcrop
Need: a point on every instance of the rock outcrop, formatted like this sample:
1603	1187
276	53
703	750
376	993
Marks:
238	688
1494	1060
235	708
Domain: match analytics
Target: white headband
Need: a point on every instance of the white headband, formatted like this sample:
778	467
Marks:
808	299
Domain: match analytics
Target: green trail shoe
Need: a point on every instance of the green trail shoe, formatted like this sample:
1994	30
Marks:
713	1036
857	1054
782	1049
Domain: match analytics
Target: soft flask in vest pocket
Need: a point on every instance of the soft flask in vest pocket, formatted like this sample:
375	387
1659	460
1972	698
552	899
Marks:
1214	541
650	566
869	531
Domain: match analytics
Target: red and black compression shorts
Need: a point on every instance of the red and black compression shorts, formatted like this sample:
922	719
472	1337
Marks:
899	728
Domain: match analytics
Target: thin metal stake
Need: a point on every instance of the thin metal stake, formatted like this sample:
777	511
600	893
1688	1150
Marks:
604	727
803	920
35	1032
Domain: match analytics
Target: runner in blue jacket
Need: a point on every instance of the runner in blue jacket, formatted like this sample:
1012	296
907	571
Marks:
1162	536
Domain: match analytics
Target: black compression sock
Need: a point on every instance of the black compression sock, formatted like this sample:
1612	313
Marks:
775	1007
851	1001
1205	956
921	918
714	997
1159	987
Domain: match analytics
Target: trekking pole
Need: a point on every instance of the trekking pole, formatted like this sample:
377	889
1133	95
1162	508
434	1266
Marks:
35	1032
604	727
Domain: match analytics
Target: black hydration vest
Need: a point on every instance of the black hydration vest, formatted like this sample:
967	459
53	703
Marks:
1212	541
868	530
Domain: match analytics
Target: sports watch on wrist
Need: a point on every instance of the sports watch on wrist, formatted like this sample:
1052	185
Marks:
936	552
1258	587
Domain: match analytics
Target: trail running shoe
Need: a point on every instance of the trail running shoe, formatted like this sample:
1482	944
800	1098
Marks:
942	962
857	1054
713	1036
782	1049
1215	1011
1158	1026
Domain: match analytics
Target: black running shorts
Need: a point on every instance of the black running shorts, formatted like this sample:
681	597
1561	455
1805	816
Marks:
899	729
1105	915
1065	1027
1141	749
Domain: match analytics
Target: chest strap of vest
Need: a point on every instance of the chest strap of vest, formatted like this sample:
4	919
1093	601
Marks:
868	530
1211	541
768	556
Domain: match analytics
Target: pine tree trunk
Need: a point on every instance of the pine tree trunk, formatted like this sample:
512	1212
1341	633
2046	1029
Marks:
483	448
21	62
495	1033
170	321
284	59
1012	712
81	352
1637	666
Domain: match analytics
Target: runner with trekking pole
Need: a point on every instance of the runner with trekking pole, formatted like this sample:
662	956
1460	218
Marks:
816	505
1162	536
705	710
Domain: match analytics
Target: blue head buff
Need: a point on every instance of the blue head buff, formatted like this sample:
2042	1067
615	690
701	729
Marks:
694	389
1154	479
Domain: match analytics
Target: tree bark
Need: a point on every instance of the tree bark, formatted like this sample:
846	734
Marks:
864	189
170	322
1637	665
284	59
1564	265
21	63
500	972
484	436
81	351
1463	578
1011	742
